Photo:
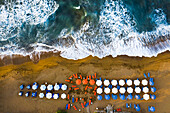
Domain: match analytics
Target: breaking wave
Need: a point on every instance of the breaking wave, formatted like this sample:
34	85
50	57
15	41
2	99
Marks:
116	32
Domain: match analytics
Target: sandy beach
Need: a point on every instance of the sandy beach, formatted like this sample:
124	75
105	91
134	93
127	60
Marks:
54	68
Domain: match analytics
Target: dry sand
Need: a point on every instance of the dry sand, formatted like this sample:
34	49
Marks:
57	69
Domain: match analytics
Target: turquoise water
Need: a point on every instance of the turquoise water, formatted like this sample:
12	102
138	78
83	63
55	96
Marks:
79	28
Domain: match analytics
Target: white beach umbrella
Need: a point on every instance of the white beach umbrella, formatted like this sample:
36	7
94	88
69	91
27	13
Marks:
114	82
130	90
145	89
121	82
114	90
50	87
106	82
64	87
146	96
99	90
63	96
56	87
136	82
122	90
144	82
129	82
137	90
98	82
49	95
107	90
55	96
42	87
41	95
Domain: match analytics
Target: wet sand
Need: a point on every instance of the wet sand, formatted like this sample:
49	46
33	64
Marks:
56	69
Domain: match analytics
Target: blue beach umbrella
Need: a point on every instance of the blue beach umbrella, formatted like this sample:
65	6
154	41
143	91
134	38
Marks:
128	105
137	107
151	109
151	83
145	75
34	94
20	93
137	97
29	87
153	96
27	94
148	74
153	89
129	97
21	87
99	97
107	97
114	97
122	97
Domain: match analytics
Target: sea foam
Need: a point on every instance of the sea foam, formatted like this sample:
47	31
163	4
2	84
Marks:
115	34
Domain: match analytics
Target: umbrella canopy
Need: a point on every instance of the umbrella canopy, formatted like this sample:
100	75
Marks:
144	82
63	95
153	96
145	89
50	87
92	82
27	94
34	94
137	107
114	97
41	95
107	90
137	97
114	90
29	87
107	97
99	90
64	87
35	86
137	90
98	82
55	96
49	95
56	87
121	82
153	89
78	81
21	87
130	90
151	82
129	96
129	82
114	82
136	82
152	109
146	96
122	97
106	82
99	97
20	93
122	90
43	87
85	81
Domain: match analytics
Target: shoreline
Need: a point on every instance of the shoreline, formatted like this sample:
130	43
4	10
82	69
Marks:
19	59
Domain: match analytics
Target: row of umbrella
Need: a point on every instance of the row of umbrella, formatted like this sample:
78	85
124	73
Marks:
122	90
48	95
122	82
122	97
44	87
137	107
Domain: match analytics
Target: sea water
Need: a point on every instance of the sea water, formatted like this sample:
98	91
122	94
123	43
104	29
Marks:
79	28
